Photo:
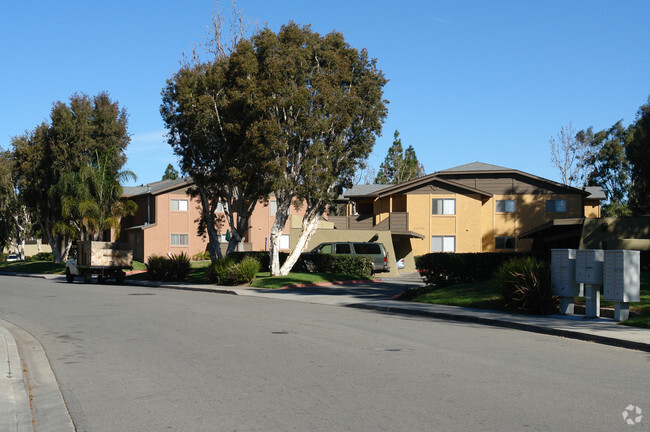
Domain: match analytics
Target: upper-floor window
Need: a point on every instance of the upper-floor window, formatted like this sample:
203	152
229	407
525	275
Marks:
179	205
555	206
179	239
505	206
504	242
443	243
273	207
440	206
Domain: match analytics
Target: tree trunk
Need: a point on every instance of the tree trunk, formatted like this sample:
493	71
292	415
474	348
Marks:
309	226
281	216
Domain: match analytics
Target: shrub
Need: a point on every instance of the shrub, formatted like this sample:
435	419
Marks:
178	267
352	265
227	271
43	256
156	267
525	284
218	272
201	256
245	271
441	269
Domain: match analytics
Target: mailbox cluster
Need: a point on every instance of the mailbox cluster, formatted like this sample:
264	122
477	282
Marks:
584	272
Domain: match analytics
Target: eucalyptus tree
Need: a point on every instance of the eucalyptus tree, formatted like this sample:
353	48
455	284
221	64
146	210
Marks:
15	218
77	135
322	105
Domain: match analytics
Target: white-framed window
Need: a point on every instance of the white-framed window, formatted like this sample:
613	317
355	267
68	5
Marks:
284	241
178	205
273	207
504	242
443	243
221	208
555	206
179	240
505	206
446	206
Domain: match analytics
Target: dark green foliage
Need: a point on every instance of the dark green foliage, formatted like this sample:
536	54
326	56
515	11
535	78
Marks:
399	166
637	149
43	256
170	173
174	269
262	257
228	271
442	269
178	267
525	285
352	265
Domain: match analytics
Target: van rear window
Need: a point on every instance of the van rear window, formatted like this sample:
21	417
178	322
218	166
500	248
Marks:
367	249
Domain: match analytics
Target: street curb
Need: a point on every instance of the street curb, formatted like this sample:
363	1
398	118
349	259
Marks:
31	275
15	407
319	284
48	408
508	324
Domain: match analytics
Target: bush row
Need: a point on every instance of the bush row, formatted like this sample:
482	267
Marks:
173	269
442	269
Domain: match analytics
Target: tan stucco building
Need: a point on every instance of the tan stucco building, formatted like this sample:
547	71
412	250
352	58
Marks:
471	208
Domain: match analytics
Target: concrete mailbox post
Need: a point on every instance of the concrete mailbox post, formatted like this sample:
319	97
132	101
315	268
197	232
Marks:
589	271
563	278
622	283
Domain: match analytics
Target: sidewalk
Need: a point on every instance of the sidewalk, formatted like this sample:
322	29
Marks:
15	413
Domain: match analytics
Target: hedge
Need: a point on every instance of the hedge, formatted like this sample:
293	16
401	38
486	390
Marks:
309	263
442	269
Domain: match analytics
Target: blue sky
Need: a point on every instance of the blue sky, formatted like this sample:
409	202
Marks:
469	80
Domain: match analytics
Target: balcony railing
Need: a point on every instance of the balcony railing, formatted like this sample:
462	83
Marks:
396	221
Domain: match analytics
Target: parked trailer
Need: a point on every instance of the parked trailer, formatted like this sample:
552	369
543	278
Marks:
105	259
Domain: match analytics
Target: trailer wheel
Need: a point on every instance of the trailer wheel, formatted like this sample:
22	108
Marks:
120	278
101	279
69	277
87	276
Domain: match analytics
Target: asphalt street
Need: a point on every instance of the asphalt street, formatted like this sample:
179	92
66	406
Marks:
144	359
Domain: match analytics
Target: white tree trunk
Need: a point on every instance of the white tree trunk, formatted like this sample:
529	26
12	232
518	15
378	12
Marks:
309	226
281	218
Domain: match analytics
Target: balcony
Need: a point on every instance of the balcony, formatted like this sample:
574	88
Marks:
396	221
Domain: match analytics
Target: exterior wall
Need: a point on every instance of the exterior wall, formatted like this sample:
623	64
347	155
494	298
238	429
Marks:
261	221
610	233
592	209
476	223
31	249
157	237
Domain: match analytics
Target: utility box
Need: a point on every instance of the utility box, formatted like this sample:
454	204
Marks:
622	276
589	266
563	273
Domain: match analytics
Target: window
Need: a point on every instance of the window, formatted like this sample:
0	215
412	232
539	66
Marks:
273	207
179	240
441	206
367	249
179	205
505	206
504	242
443	244
342	248
556	206
284	241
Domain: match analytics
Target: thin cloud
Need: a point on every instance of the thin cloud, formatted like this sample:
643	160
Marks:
148	140
441	20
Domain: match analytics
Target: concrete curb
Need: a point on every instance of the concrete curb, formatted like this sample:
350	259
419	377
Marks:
588	337
48	409
320	284
15	410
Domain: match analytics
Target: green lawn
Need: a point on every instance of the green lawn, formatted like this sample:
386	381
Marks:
485	295
263	280
36	267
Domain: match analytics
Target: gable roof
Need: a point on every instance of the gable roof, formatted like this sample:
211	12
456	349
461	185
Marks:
423	181
476	166
156	188
595	192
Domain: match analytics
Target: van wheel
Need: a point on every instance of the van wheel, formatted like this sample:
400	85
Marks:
69	278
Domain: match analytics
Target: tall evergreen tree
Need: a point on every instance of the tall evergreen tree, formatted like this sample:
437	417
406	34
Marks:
399	166
638	153
78	134
170	173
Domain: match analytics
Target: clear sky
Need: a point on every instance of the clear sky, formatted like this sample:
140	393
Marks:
487	81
